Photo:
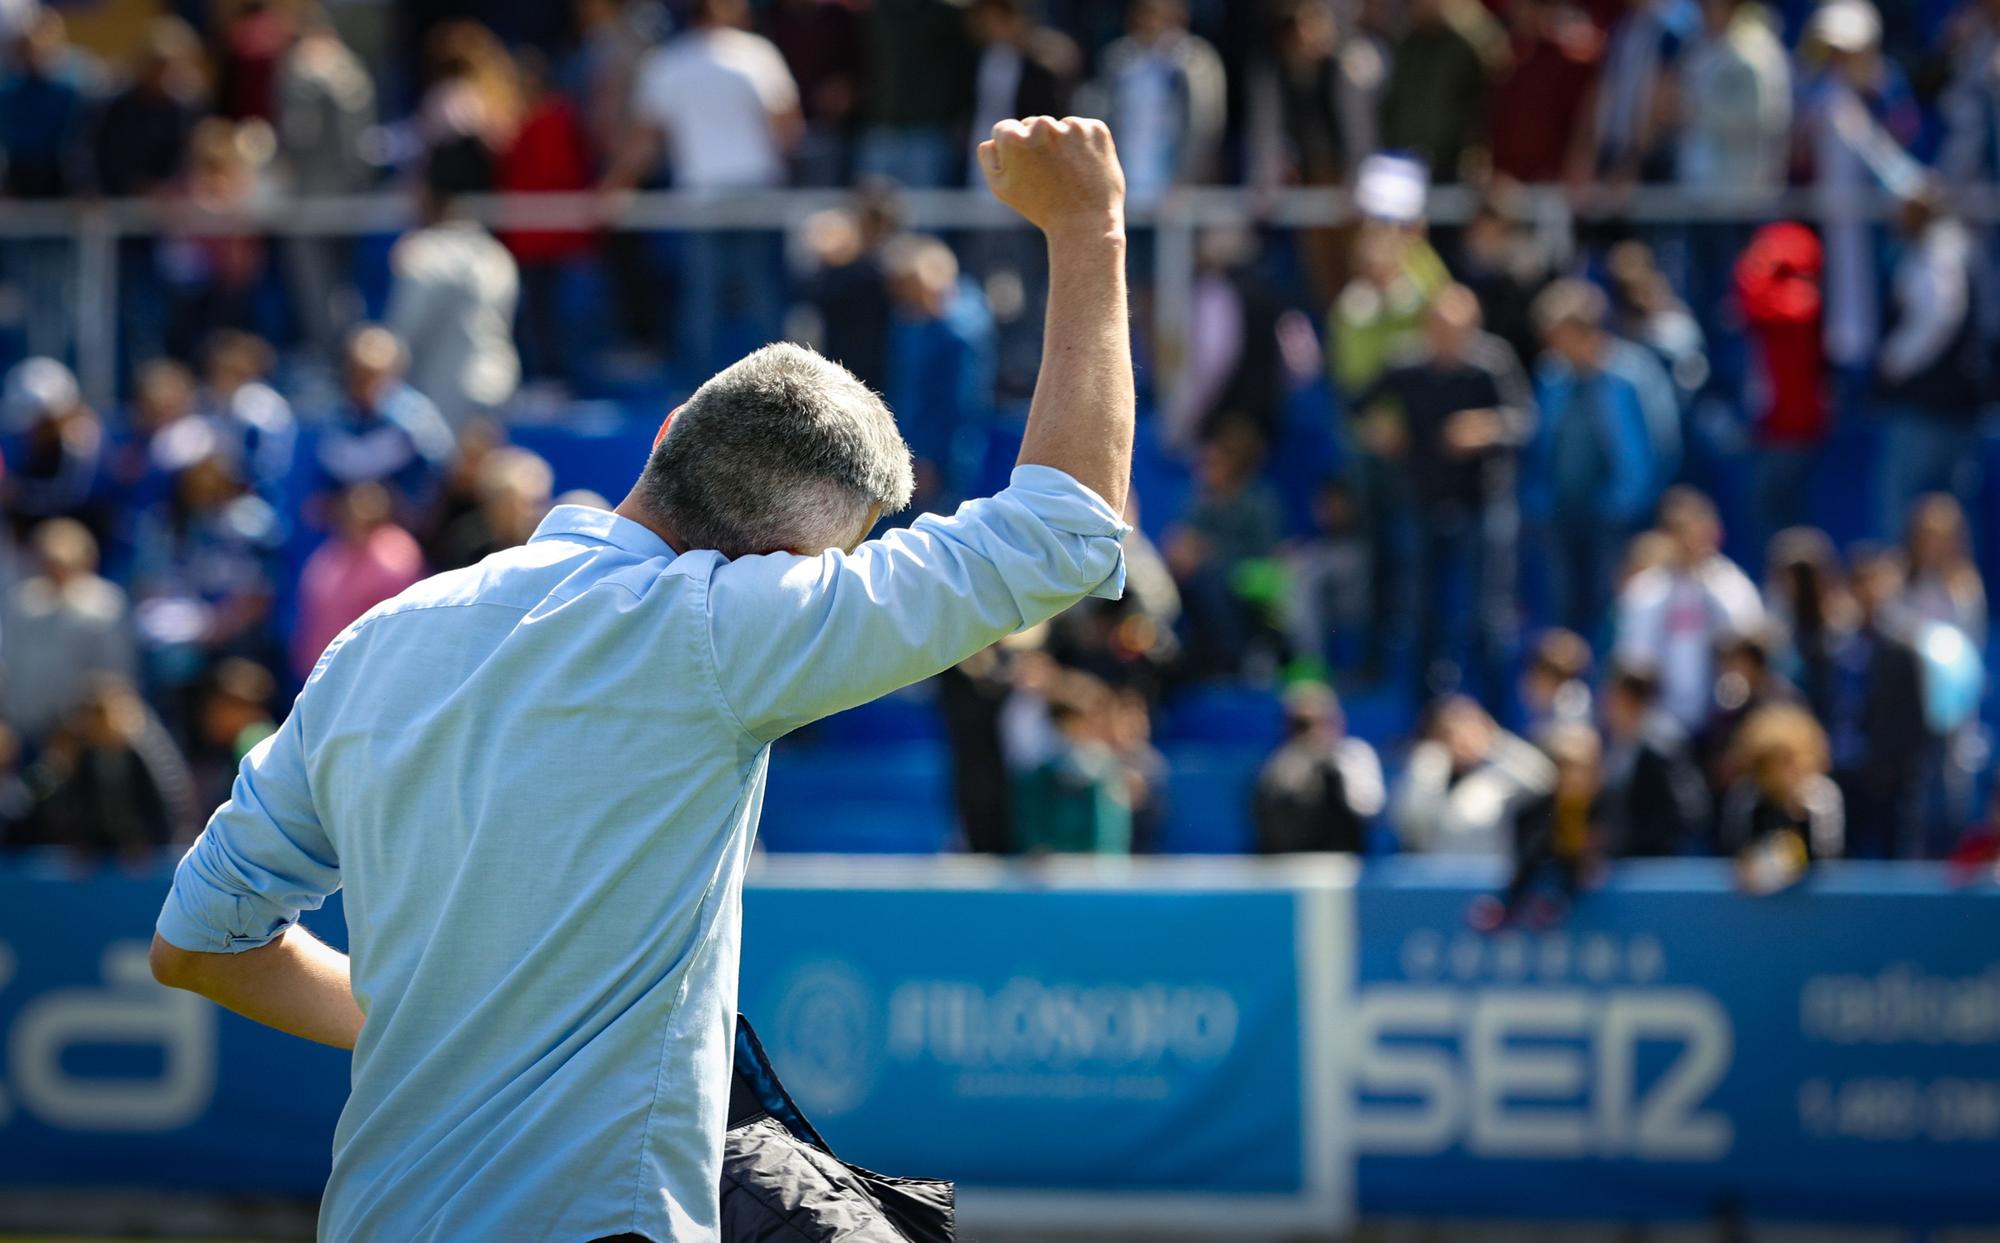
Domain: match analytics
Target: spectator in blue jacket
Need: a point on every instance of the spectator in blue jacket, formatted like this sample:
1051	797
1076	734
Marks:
1591	473
386	432
941	357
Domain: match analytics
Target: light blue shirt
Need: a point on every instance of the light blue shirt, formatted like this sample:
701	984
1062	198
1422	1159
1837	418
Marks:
537	780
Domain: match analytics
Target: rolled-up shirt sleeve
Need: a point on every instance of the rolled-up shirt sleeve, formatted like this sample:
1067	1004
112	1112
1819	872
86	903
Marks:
798	638
263	858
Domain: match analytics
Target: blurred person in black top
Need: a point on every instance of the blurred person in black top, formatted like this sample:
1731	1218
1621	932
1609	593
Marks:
111	779
1784	812
1882	745
1746	682
1808	597
1556	836
1655	800
1466	408
1320	789
849	284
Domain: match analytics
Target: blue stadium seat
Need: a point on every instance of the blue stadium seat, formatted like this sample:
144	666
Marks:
1223	714
1209	785
859	799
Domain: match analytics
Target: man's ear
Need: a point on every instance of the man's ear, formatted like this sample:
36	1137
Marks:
664	425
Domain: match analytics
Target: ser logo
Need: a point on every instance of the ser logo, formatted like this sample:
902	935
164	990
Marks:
1545	1068
130	1011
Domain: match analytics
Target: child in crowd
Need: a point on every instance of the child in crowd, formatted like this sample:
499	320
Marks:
1786	811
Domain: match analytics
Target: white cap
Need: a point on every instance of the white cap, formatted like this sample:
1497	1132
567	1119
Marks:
39	386
1392	188
1846	25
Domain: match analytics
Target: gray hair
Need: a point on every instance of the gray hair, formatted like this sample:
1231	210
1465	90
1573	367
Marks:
783	450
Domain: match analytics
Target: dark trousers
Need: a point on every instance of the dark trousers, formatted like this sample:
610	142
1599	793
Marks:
1466	554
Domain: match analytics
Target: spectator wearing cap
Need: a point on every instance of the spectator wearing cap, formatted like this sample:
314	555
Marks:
1591	471
1671	617
62	627
1856	115
1321	788
1933	368
53	448
385	431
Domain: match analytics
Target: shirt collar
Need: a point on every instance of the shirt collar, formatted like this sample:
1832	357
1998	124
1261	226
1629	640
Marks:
589	522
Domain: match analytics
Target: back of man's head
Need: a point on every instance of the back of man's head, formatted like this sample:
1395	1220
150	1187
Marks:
784	451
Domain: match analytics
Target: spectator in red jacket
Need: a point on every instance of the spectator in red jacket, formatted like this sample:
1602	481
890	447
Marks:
1553	78
1778	287
550	154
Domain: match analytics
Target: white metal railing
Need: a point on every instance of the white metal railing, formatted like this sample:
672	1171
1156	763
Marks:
96	226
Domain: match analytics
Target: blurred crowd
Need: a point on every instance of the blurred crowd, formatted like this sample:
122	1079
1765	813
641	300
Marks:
1476	469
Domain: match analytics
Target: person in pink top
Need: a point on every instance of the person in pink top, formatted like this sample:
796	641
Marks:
367	559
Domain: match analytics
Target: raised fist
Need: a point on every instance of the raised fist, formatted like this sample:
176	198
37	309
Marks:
1060	175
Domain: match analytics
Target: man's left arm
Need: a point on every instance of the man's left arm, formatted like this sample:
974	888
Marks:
229	928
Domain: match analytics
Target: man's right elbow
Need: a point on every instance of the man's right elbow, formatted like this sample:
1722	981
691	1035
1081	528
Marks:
172	965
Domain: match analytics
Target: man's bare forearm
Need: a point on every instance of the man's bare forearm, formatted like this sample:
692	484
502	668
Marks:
1063	176
1081	419
297	984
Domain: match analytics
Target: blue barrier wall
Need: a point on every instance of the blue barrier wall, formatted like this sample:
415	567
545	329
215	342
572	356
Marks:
1262	1037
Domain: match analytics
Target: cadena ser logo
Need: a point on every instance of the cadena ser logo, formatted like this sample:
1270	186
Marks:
169	1037
1530	1046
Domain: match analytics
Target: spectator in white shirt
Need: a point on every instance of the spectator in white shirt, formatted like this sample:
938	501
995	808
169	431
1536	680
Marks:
63	628
1465	782
719	101
1672	616
1163	91
452	301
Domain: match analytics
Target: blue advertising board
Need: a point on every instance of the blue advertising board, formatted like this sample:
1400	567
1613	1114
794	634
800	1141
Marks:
1081	1044
1675	1049
1069	1044
1184	1041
